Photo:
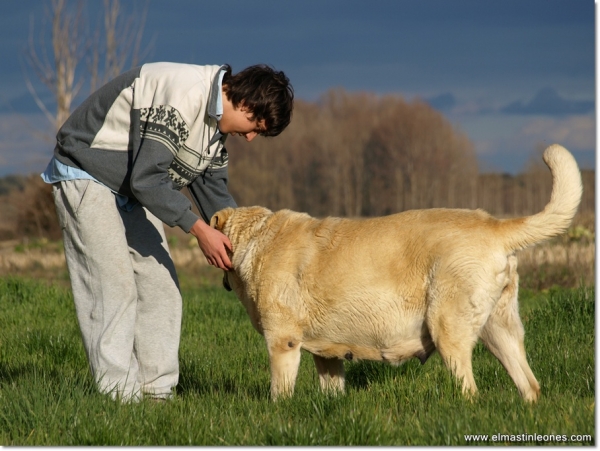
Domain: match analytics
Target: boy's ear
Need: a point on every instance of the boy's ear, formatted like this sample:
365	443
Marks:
220	217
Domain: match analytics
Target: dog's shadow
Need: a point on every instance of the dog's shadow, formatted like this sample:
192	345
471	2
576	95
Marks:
193	384
361	375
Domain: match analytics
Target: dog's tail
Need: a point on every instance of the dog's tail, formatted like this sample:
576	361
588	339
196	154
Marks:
556	217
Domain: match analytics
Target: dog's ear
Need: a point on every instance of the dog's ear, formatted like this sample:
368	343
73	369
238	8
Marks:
220	217
226	281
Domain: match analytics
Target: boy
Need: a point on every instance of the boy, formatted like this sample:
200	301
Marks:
119	163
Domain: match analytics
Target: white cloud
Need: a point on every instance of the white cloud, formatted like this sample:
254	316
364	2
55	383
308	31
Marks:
577	132
506	143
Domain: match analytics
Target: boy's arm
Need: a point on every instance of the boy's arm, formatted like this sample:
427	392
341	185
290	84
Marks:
210	193
150	182
152	186
154	189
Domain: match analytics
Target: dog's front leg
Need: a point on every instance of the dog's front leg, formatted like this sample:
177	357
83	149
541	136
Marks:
284	358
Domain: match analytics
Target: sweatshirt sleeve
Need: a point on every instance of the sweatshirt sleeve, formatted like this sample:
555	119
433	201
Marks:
151	185
210	193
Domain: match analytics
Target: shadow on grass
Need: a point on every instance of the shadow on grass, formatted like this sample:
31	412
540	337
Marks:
362	374
193	380
14	373
192	384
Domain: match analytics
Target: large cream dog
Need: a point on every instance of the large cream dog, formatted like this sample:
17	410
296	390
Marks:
393	287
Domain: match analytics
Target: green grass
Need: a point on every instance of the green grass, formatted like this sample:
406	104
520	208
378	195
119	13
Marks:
47	396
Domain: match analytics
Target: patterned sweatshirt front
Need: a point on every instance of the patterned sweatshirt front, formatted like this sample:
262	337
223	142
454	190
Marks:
150	132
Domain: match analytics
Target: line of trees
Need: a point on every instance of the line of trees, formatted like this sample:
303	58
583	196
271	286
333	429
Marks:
365	155
345	155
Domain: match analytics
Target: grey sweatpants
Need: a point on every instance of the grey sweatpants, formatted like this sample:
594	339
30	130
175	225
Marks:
125	289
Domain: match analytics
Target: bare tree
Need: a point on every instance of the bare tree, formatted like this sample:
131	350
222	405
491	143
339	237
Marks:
57	71
122	43
59	65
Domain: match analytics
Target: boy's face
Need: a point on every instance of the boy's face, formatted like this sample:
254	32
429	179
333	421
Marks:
239	121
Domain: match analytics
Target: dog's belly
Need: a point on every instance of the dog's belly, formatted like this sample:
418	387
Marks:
394	339
349	351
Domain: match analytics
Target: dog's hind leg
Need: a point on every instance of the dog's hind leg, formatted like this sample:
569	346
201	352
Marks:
456	352
284	359
454	320
331	373
503	335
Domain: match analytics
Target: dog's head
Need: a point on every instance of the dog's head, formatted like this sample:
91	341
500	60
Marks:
240	225
219	219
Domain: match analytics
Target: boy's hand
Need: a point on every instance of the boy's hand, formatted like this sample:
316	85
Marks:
213	245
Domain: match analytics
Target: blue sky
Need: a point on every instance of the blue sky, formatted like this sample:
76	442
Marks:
511	74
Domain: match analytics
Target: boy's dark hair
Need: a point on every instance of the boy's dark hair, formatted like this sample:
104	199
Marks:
265	92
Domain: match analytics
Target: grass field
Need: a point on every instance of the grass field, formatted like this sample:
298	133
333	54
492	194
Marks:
47	396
